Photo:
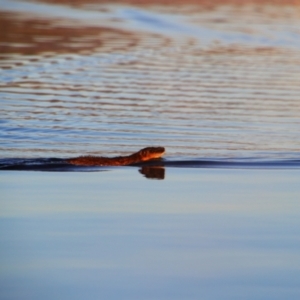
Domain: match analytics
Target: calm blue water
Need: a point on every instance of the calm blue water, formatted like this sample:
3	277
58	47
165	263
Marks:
200	233
218	86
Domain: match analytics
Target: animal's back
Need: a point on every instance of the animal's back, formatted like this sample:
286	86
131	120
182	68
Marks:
140	156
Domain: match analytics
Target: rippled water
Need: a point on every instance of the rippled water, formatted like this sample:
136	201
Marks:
216	84
205	82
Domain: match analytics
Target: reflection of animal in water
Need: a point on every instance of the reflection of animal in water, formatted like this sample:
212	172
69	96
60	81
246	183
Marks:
153	172
138	157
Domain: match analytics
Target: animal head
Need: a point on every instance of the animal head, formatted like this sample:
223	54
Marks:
151	153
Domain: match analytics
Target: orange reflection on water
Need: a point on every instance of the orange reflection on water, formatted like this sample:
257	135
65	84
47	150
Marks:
33	36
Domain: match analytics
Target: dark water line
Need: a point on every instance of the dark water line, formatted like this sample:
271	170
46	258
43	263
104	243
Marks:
58	164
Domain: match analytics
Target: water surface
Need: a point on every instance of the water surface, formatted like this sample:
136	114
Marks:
200	233
104	79
216	84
